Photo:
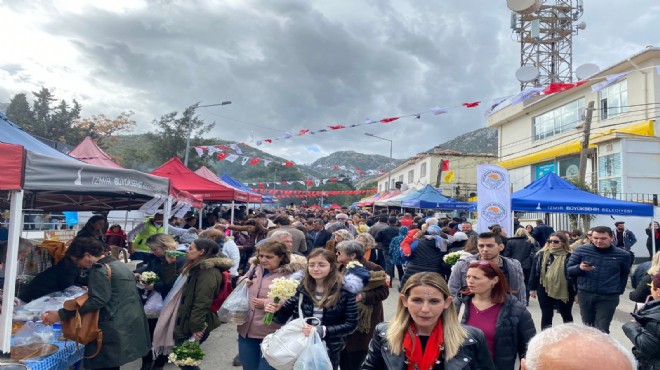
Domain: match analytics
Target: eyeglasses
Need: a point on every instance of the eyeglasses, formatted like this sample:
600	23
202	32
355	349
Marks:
341	219
554	241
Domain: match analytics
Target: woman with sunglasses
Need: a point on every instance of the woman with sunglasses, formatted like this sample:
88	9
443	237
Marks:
489	306
549	282
644	332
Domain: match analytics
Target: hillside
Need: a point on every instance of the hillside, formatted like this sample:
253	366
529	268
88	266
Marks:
483	140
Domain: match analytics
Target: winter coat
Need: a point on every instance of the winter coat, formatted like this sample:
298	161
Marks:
426	258
541	233
513	330
473	354
156	264
321	238
115	238
122	319
339	321
203	285
254	326
642	291
649	243
610	275
385	236
640	271
53	279
396	256
535	273
629	239
299	242
644	332
510	268
519	248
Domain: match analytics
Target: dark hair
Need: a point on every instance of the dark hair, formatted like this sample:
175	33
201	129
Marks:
489	235
282	220
80	246
656	281
276	247
208	246
501	289
603	230
383	217
471	245
392	220
92	220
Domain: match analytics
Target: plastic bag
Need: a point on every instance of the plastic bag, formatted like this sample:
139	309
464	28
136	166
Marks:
236	307
282	348
314	356
34	332
154	305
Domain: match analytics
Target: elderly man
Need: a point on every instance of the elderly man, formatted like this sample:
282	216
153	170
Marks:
298	237
576	347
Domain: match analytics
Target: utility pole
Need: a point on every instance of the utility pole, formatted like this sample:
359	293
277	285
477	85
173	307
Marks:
586	130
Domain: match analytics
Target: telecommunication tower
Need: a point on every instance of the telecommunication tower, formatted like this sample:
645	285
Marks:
545	31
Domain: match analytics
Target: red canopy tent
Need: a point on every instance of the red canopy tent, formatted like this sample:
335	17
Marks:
239	195
314	206
183	178
334	206
88	152
388	195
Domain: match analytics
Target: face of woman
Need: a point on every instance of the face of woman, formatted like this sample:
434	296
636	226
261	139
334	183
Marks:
478	282
343	257
85	262
655	292
529	228
194	253
157	251
425	305
554	242
98	225
269	261
338	238
318	268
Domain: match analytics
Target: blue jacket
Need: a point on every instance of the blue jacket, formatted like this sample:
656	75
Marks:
629	239
612	266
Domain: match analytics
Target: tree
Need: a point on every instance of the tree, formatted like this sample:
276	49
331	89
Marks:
60	127
42	112
103	129
19	112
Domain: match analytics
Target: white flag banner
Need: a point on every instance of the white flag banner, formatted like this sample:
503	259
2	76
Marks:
231	158
317	182
244	160
266	162
181	209
494	201
200	151
151	207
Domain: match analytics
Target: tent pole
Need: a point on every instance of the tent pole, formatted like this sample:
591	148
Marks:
11	268
167	209
232	217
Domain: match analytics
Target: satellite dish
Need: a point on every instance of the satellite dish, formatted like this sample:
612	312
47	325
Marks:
581	25
527	73
586	70
524	6
404	187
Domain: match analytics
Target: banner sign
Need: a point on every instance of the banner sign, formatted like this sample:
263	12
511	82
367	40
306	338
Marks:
494	202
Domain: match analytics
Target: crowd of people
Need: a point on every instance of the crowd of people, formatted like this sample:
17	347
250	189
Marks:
471	313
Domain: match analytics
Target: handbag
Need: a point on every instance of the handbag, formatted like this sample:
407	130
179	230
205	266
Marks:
83	328
282	348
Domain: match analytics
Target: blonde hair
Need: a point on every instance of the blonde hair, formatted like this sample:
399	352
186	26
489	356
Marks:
164	241
655	264
523	232
345	234
369	241
213	234
454	333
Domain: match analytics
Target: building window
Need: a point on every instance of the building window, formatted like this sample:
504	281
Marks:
559	120
392	184
613	100
401	178
380	187
422	170
609	175
411	176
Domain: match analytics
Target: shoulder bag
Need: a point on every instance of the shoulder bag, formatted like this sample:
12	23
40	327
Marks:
83	328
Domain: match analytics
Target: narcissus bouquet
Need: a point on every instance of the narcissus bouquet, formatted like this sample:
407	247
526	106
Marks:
187	354
279	290
149	277
453	257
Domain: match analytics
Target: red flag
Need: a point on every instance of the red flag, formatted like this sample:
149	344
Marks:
335	167
308	182
381	171
303	132
288	164
390	119
261	185
444	165
222	147
254	161
333	179
358	169
222	156
269	141
338	127
471	105
361	174
556	87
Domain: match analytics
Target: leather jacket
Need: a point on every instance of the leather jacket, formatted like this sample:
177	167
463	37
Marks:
472	355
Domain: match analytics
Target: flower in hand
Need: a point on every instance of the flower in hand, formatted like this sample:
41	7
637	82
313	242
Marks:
50	317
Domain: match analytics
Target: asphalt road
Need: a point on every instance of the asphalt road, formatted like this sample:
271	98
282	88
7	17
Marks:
221	346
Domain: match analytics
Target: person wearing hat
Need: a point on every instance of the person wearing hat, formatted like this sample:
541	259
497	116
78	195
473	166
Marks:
623	238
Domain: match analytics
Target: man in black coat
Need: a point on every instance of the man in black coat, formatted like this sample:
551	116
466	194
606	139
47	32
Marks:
322	235
384	238
541	232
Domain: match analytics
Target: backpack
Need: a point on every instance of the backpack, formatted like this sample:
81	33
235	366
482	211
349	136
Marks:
225	291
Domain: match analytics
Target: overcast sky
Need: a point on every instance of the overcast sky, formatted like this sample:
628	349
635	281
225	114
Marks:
289	65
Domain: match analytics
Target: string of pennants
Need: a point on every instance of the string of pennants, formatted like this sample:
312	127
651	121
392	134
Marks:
492	105
304	193
316	182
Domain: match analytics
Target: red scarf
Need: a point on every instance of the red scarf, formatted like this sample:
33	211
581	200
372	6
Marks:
417	358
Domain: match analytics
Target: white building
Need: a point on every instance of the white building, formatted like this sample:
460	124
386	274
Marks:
544	134
423	169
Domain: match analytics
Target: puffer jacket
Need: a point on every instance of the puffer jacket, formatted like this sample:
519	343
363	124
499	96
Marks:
519	248
203	285
513	330
254	326
610	275
426	258
339	321
644	333
472	355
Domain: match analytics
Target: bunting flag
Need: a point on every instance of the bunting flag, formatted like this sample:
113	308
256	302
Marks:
222	156
449	176
288	164
557	87
526	94
266	162
313	193
254	161
609	80
232	158
388	120
444	165
236	148
244	160
471	105
438	111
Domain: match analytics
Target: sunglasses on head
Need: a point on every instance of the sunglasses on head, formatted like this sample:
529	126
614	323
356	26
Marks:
477	263
554	241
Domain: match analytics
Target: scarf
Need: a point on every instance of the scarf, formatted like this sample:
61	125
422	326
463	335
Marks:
377	279
434	233
163	339
417	358
553	278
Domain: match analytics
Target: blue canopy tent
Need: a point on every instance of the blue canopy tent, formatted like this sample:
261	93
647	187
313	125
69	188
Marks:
239	185
454	204
428	196
553	194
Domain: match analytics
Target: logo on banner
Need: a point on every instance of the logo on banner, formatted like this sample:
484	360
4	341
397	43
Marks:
494	212
493	179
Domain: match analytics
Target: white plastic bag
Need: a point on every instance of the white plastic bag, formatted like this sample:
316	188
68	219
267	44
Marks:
282	348
154	305
236	307
314	356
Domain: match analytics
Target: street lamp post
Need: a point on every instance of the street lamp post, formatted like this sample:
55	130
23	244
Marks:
185	161
389	172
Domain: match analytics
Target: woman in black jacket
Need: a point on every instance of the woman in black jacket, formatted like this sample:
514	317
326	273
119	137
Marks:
644	332
427	256
522	247
327	297
656	235
643	290
549	281
505	321
425	333
94	228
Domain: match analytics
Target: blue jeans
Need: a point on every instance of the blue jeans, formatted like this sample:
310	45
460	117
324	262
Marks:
249	351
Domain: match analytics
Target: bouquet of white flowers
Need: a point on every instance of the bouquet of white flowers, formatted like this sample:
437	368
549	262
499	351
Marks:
187	354
149	277
281	289
453	257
